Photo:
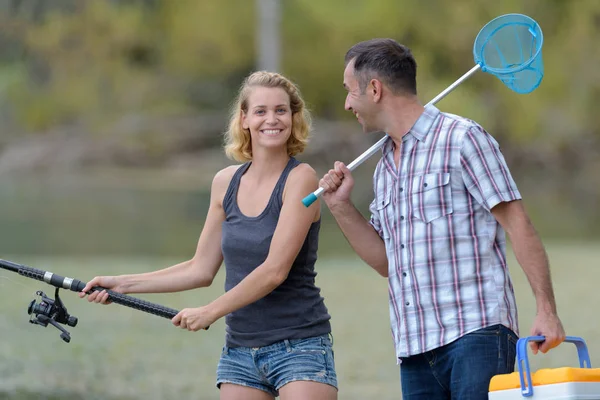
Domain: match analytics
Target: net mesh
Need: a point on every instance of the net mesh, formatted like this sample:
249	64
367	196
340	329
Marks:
510	47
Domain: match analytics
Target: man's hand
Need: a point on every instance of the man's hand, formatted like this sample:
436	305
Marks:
337	184
549	326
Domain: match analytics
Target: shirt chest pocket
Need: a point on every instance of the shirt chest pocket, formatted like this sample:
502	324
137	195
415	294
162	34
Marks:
430	196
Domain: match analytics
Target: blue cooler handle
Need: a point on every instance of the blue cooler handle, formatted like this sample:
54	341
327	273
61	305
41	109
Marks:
522	360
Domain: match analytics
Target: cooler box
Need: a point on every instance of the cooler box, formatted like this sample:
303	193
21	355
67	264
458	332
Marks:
548	384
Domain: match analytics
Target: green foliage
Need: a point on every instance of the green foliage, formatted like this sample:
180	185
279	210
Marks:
110	59
99	60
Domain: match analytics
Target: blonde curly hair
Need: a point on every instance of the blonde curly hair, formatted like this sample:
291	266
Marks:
238	145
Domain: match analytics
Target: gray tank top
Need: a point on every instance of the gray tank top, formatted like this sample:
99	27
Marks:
295	309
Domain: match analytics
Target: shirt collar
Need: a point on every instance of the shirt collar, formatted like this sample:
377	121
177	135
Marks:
420	129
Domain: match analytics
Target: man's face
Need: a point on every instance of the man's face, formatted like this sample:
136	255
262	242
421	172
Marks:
361	104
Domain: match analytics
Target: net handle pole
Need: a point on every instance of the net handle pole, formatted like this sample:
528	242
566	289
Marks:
373	149
456	83
311	198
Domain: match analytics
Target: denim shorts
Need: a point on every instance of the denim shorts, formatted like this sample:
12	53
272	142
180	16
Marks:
270	367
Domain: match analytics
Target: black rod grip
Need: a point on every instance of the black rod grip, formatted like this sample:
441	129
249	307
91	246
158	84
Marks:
77	286
138	304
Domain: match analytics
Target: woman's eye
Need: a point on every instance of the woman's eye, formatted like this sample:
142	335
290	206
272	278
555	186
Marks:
259	112
281	110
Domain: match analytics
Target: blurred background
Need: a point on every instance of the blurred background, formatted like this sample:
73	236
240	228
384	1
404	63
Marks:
111	122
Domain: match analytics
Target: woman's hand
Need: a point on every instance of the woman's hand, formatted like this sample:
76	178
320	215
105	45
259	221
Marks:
194	319
108	282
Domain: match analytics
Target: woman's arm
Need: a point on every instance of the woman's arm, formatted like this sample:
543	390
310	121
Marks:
294	222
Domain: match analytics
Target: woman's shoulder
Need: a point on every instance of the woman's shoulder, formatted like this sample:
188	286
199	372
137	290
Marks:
302	177
303	172
223	177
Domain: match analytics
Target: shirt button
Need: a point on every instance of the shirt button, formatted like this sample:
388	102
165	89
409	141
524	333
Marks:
425	184
404	274
402	218
402	189
402	246
407	303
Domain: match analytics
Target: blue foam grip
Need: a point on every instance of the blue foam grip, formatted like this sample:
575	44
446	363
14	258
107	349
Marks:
308	200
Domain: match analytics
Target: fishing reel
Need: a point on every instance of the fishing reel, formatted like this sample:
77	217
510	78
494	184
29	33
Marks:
53	312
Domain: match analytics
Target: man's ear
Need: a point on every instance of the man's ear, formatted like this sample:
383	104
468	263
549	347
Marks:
376	89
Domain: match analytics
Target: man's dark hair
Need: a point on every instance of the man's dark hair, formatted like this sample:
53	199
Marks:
386	60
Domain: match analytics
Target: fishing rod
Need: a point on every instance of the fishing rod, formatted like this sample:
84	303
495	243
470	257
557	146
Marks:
53	311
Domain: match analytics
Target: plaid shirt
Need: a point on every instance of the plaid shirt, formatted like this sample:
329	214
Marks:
446	252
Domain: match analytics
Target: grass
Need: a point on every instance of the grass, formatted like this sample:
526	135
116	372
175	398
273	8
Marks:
120	353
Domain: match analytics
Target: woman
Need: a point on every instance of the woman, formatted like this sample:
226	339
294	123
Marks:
277	326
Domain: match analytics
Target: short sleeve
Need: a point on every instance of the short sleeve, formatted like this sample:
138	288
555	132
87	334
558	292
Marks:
484	169
374	220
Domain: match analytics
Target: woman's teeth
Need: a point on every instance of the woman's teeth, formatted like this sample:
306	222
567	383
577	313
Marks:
271	132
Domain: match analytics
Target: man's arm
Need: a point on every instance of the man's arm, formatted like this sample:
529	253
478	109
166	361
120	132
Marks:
488	179
363	238
531	255
365	241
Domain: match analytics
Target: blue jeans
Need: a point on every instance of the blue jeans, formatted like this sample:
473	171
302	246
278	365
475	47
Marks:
270	367
461	370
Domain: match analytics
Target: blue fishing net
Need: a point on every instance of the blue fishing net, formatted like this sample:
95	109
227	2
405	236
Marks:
510	47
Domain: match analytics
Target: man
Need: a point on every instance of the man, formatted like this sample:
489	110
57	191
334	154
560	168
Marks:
444	198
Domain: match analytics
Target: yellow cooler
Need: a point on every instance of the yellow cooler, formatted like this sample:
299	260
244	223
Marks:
548	384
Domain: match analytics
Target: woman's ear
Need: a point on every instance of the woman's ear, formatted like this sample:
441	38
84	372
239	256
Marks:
244	122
